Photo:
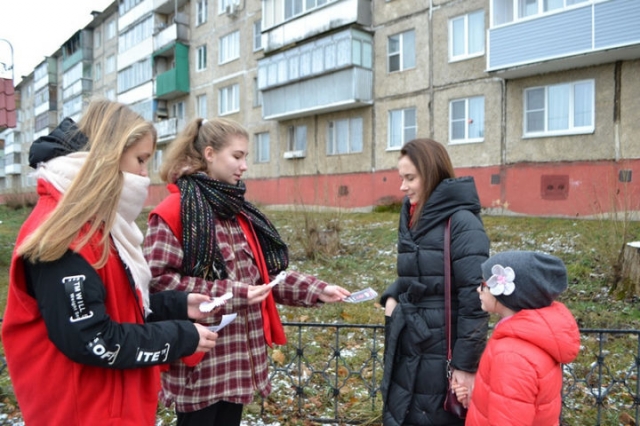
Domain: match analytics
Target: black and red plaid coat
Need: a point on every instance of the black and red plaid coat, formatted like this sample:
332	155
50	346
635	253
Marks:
238	365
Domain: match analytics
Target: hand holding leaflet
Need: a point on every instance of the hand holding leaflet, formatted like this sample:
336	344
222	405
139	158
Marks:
215	302
362	295
278	279
226	319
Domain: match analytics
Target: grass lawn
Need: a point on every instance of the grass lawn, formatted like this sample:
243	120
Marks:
358	250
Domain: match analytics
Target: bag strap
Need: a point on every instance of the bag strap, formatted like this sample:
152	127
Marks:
447	291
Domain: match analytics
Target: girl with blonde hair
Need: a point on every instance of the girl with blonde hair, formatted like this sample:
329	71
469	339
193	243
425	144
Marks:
206	237
82	337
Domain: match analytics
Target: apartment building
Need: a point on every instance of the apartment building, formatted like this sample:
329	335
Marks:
534	98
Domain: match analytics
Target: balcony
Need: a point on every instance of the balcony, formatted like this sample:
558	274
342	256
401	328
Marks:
581	36
84	85
168	129
80	55
169	35
167	6
330	16
329	74
173	82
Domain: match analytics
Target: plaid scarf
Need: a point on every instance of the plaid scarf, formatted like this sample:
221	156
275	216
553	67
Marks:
202	199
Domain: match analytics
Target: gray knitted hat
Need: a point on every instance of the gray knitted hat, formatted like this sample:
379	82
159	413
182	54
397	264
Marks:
525	279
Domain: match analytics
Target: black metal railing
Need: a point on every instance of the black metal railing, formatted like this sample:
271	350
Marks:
331	373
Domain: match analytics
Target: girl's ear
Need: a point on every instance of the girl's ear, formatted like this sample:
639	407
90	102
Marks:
209	154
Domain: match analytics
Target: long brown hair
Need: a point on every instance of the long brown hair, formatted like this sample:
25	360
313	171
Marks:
185	155
92	198
433	164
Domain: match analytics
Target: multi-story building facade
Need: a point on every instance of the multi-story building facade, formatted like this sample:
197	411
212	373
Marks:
533	98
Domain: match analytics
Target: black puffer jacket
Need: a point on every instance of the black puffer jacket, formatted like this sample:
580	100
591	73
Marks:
414	382
63	140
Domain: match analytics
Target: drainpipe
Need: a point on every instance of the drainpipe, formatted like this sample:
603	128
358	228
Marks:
431	91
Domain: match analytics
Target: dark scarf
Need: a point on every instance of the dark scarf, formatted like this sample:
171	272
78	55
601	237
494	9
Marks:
201	200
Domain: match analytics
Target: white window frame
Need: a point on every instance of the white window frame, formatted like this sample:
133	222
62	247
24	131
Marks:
257	94
177	109
472	32
407	132
229	99
509	11
296	142
157	160
201	58
201	12
201	104
257	36
354	143
546	110
97	38
467	120
97	71
262	147
110	65
111	29
229	47
406	58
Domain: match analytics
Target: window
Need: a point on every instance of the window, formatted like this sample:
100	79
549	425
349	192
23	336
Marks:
97	38
466	119
201	12
402	127
229	101
503	10
110	94
466	36
202	106
297	139
223	4
344	136
402	51
126	5
559	109
257	94
110	65
136	74
201	58
178	110
135	35
294	8
262	148
257	35
111	29
229	47
157	160
97	73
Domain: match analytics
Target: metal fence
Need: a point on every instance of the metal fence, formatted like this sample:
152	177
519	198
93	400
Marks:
331	373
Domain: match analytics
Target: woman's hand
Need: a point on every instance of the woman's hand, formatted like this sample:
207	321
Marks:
333	293
257	293
466	380
193	306
389	306
207	338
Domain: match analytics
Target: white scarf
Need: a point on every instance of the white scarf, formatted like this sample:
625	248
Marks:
61	171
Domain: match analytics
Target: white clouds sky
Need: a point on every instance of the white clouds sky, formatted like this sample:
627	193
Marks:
37	28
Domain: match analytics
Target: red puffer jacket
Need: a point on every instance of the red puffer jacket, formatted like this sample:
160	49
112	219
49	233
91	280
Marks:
519	379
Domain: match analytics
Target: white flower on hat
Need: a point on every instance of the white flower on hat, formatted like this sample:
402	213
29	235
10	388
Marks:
501	282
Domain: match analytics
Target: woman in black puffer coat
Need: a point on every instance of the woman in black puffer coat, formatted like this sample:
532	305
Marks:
415	383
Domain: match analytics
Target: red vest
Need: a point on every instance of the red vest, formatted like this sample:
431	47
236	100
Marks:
50	388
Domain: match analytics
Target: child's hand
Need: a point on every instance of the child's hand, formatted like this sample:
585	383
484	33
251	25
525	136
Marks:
462	393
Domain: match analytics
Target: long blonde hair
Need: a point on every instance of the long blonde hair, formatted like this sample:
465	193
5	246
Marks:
185	155
92	198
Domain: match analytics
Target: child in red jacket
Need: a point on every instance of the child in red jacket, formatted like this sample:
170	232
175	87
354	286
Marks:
519	379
